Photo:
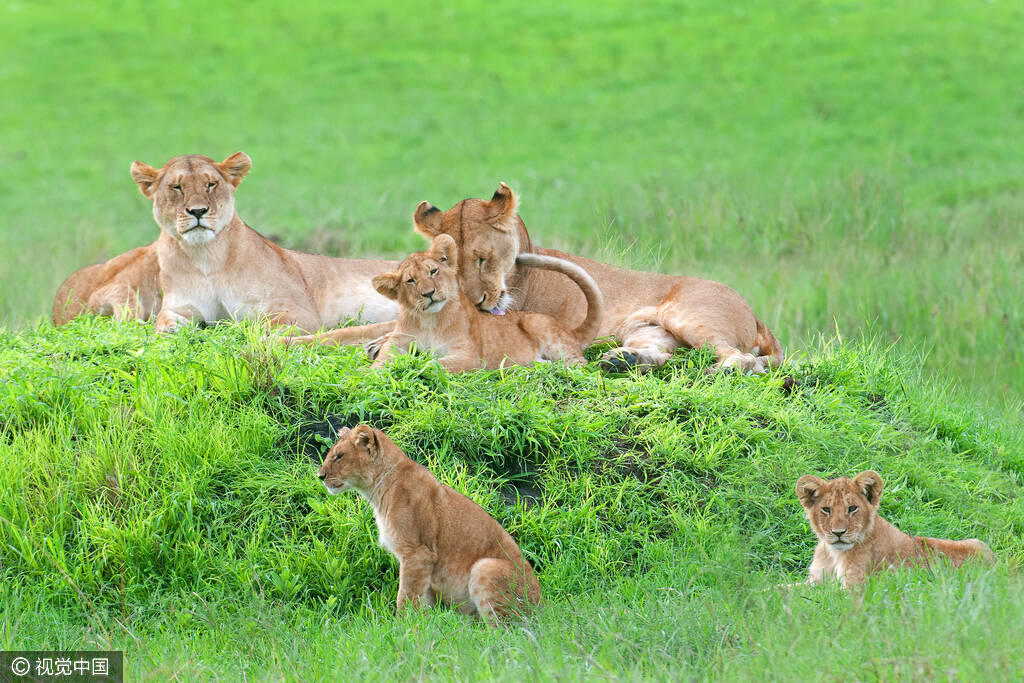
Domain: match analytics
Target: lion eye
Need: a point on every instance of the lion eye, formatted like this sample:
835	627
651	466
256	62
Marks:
411	281
480	260
434	271
210	186
826	510
851	509
178	188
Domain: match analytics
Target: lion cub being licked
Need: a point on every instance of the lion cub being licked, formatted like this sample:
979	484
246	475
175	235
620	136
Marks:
854	540
448	548
437	315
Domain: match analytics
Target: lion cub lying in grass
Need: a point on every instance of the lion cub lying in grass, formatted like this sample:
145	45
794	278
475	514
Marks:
854	541
448	548
437	315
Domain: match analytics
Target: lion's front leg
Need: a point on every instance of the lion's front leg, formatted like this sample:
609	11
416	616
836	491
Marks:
364	334
853	576
170	320
414	572
821	566
374	346
394	344
463	359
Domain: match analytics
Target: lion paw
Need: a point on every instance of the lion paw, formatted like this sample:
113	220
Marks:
620	360
742	363
169	322
374	346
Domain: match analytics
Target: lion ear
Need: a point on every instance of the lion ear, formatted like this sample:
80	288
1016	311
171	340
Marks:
870	484
444	250
235	167
366	438
387	284
503	207
145	176
427	219
808	488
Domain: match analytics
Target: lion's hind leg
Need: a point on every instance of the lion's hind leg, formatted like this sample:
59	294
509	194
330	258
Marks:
497	588
645	343
730	358
960	552
119	301
696	334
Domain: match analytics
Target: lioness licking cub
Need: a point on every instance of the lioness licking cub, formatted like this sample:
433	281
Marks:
448	548
437	315
855	541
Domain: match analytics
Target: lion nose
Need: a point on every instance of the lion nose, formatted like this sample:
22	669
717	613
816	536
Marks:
429	295
198	211
321	475
839	532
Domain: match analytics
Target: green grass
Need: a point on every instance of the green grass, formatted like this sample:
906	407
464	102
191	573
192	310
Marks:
155	495
853	169
850	164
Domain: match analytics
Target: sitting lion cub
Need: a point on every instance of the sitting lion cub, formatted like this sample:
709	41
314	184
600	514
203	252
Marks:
448	548
437	315
854	541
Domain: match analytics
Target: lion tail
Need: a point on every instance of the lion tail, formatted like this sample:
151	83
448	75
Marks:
586	330
771	353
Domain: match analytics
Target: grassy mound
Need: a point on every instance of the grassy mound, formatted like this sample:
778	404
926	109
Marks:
157	487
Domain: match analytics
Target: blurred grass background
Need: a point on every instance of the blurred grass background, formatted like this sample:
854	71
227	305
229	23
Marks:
850	165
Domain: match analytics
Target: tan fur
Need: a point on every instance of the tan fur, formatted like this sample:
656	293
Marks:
215	267
448	548
855	541
126	286
650	313
436	315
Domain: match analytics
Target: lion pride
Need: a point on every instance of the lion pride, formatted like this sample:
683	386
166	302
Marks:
214	267
649	313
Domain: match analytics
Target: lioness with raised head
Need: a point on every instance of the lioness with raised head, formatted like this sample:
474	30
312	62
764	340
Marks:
215	267
448	548
855	541
650	313
125	287
437	315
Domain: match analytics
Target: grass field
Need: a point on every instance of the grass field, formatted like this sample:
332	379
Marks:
155	496
854	169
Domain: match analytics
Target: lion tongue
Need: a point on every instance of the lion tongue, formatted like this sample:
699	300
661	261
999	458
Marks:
498	310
